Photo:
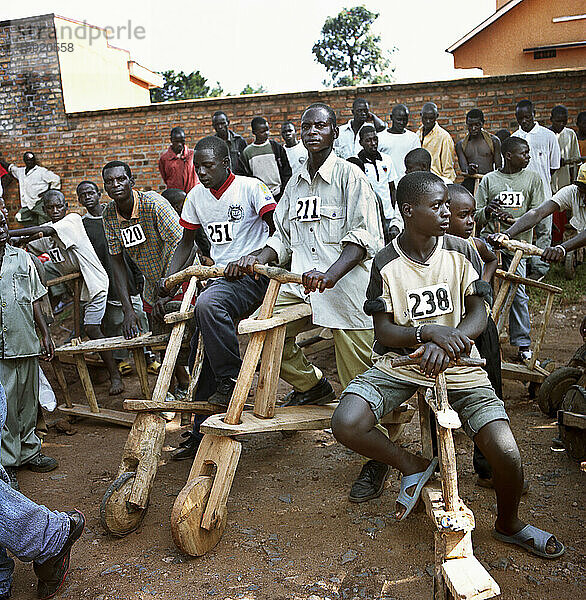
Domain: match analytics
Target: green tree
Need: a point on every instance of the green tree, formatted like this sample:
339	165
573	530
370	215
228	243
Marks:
349	52
248	89
180	86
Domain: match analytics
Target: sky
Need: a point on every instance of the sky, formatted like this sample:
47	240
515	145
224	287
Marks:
268	42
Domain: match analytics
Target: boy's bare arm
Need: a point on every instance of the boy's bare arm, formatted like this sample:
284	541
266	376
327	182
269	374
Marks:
488	258
46	340
474	323
31	231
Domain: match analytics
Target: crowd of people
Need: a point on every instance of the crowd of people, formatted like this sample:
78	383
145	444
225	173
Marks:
368	212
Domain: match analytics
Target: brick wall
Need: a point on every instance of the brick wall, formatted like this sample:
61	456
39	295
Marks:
77	145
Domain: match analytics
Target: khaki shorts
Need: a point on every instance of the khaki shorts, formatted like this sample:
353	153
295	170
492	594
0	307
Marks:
476	407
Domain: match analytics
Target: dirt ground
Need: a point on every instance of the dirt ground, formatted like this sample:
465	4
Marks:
291	532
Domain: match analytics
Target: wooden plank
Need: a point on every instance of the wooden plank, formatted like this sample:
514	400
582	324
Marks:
113	343
424	425
460	520
77	306
197	367
60	375
268	377
467	579
86	382
507	307
105	414
519	246
446	450
503	290
253	352
571	419
138	405
141	370
526	281
200	272
522	372
178	316
63	279
542	330
402	414
90	360
287	315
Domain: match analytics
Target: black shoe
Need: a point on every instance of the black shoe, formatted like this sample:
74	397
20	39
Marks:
42	464
187	448
370	483
53	571
11	472
322	393
223	393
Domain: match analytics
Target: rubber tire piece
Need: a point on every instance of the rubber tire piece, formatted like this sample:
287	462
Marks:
554	387
574	439
116	494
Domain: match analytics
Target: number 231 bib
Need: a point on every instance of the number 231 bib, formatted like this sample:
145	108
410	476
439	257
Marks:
429	301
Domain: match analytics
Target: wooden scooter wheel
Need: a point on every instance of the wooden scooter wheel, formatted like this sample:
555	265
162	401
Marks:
188	534
117	515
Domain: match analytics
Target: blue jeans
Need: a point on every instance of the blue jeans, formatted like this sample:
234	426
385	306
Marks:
30	531
519	320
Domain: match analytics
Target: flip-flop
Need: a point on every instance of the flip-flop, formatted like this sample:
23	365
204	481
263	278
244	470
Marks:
417	479
528	534
124	368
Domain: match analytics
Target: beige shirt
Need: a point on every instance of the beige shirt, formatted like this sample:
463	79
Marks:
439	143
568	198
568	141
314	219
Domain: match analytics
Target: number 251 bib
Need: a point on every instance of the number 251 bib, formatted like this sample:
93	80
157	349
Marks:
132	236
429	301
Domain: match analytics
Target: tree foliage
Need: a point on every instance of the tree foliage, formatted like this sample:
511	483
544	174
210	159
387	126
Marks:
248	89
349	52
180	86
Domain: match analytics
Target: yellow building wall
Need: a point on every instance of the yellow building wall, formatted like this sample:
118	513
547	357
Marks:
94	75
498	49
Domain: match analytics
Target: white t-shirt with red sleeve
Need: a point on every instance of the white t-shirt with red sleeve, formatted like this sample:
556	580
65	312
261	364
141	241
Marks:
230	216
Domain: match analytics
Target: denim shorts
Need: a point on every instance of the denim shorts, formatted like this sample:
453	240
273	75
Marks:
95	309
476	407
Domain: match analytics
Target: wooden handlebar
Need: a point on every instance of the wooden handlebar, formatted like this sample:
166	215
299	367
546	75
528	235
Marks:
403	361
528	249
200	272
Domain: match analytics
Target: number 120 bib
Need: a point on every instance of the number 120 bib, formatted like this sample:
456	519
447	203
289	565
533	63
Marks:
132	236
429	301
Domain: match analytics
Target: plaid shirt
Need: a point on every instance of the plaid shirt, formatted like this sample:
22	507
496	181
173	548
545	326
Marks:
160	224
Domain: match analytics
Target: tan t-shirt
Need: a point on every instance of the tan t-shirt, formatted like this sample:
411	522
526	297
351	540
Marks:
414	293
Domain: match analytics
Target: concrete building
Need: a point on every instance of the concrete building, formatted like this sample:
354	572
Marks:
524	36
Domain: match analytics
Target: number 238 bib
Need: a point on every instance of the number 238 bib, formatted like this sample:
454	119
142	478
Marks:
429	301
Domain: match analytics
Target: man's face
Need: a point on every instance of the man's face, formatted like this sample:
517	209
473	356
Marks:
177	142
317	131
55	207
431	215
212	172
519	157
369	141
428	118
88	196
525	117
474	126
462	209
220	123
288	134
261	133
360	112
3	230
558	121
29	160
400	118
117	184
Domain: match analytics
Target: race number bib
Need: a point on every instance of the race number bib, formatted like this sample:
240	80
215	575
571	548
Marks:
429	301
309	208
511	199
132	236
55	255
220	232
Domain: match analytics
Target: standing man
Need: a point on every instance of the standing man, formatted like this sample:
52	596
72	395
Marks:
479	152
236	143
581	127
347	143
397	141
266	159
296	152
33	180
438	142
380	171
545	160
569	148
176	163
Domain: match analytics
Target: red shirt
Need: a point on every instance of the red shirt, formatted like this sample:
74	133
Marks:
177	170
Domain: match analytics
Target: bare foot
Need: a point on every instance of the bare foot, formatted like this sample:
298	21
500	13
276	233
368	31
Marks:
417	464
116	386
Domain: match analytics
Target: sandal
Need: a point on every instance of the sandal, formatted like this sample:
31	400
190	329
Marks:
531	534
419	480
124	368
154	367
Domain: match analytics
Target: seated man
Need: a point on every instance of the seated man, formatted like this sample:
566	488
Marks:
236	212
427	301
71	251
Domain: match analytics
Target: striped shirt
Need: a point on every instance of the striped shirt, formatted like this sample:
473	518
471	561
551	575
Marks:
159	230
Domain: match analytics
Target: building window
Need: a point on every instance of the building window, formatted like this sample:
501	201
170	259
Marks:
544	54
